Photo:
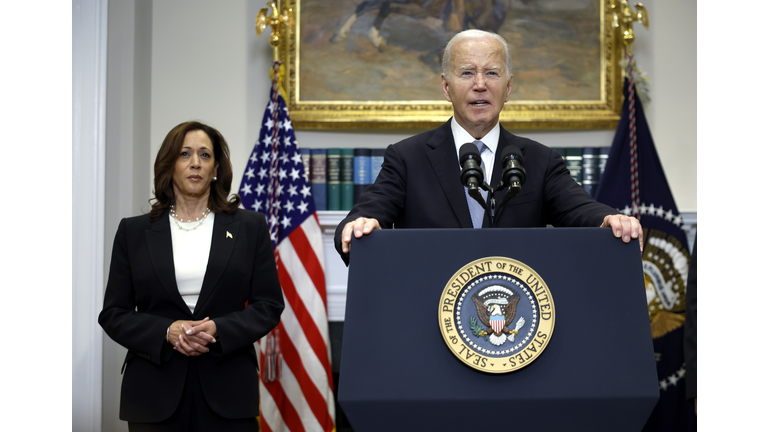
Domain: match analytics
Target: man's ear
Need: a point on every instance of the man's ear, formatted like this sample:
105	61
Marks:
445	88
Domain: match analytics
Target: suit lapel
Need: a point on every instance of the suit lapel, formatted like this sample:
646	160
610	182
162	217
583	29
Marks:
497	168
505	139
225	235
161	253
445	163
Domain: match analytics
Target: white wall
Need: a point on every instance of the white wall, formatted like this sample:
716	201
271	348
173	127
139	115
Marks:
199	69
667	52
196	59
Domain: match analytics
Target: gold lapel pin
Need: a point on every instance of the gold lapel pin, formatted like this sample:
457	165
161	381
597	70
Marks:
229	235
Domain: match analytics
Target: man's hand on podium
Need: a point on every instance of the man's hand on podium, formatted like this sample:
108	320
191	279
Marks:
624	227
360	227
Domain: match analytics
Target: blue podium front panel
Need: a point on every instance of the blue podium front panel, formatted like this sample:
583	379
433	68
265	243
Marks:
597	372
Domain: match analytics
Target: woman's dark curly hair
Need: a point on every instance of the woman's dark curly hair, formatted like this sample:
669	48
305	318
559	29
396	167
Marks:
165	163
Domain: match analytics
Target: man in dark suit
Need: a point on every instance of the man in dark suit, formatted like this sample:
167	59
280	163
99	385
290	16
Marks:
419	184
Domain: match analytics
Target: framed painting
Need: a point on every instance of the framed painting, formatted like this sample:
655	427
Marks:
353	64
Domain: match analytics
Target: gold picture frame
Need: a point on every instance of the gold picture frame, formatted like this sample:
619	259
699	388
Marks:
573	82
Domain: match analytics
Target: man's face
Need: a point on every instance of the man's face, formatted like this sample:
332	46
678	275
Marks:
478	86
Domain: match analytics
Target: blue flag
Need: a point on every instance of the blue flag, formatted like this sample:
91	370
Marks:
635	184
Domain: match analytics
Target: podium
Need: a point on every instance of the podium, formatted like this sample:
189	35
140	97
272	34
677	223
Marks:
397	373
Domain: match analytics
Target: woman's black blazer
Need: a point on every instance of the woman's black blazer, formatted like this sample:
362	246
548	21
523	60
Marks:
240	293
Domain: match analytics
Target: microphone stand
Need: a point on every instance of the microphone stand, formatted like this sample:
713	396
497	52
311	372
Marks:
490	206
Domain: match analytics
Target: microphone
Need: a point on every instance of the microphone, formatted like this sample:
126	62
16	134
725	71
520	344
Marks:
513	173
471	171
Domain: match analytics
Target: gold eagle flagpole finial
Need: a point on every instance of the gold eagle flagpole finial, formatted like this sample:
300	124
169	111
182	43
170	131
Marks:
280	23
624	17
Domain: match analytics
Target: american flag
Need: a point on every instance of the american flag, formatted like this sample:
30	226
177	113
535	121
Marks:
295	382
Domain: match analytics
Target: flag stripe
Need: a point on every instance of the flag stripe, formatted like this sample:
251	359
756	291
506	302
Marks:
297	398
294	266
313	268
285	414
263	426
267	403
312	397
312	364
314	236
305	320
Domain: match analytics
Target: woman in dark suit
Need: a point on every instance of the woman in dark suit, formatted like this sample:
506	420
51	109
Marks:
192	285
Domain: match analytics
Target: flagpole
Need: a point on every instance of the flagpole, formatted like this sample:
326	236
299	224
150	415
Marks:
623	18
280	23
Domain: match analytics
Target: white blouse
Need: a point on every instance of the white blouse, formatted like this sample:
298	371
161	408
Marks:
191	250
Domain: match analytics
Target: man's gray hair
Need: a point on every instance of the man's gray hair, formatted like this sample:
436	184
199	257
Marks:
474	34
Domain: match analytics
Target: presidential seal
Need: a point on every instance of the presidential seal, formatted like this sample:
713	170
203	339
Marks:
496	315
665	267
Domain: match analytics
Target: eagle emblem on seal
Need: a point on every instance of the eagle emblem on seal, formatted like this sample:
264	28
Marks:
496	309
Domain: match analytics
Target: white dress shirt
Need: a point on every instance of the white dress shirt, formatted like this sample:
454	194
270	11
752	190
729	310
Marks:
491	141
191	250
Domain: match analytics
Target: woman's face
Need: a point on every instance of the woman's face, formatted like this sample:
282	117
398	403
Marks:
195	166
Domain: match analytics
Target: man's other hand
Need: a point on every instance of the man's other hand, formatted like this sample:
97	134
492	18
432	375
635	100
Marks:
360	227
624	227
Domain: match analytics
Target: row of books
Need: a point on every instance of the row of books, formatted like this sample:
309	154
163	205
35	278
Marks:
338	175
586	164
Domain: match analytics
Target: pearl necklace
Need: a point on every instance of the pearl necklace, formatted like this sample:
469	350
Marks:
200	219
